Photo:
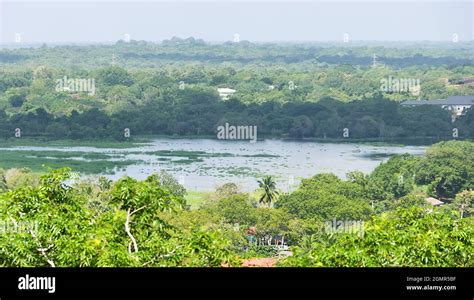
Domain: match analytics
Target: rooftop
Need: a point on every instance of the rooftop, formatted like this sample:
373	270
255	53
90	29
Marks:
452	100
434	201
225	90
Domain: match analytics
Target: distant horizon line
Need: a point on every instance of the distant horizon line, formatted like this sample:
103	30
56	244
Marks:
109	42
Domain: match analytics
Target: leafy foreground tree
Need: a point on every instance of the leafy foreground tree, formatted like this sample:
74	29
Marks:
326	197
447	168
464	203
269	191
413	237
53	224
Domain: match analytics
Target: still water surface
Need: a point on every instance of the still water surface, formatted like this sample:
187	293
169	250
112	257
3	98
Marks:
203	164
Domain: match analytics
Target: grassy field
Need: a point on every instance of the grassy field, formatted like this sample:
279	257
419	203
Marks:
196	198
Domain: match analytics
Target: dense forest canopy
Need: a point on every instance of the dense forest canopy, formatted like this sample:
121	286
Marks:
287	90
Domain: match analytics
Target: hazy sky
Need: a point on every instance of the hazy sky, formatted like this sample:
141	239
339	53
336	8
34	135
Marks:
106	20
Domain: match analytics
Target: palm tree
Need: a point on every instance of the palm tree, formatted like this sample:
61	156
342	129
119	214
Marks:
269	191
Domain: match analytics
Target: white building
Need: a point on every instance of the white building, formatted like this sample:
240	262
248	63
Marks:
225	93
456	104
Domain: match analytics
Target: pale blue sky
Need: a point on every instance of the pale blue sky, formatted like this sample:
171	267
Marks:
263	21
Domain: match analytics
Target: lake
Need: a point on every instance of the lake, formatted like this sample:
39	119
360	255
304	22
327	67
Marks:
203	164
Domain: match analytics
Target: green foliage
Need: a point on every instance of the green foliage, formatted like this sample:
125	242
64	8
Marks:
130	193
14	178
63	226
310	91
413	237
17	99
54	224
114	75
392	179
409	200
270	193
270	223
327	92
167	181
261	251
170	113
464	203
234	209
447	168
325	197
226	190
57	220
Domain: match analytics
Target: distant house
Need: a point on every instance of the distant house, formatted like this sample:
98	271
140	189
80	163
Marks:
468	80
465	80
225	93
434	201
456	104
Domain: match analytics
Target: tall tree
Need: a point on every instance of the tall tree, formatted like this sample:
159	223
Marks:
269	191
